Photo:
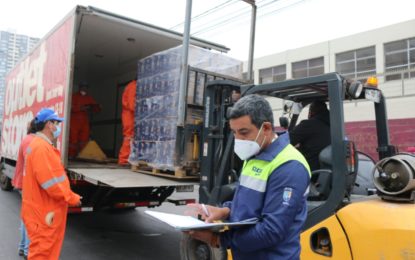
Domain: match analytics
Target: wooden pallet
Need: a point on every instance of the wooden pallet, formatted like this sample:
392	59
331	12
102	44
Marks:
178	173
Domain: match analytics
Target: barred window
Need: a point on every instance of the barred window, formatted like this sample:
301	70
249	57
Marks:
307	68
273	74
357	64
400	59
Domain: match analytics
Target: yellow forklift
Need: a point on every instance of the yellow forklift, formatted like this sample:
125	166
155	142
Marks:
357	208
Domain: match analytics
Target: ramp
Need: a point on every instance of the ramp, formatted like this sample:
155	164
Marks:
124	178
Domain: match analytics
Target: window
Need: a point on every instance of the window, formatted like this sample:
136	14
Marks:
399	58
274	74
357	64
307	68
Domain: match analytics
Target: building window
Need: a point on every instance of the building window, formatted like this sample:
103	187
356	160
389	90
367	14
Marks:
307	68
357	64
400	59
274	74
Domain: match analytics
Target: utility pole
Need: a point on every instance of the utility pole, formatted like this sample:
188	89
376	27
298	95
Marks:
251	40
185	55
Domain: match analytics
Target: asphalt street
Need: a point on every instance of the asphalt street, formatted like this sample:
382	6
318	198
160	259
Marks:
128	234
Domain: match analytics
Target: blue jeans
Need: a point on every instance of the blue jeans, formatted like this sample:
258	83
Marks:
24	239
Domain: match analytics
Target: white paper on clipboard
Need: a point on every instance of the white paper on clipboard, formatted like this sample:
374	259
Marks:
185	223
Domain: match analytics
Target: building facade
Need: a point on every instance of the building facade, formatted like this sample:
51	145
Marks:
388	53
12	48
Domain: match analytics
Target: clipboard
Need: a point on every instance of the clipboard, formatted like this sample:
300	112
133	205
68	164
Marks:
186	223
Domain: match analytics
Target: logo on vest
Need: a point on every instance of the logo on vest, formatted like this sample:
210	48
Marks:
256	170
286	196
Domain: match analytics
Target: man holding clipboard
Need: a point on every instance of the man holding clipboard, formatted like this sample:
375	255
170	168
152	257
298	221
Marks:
273	188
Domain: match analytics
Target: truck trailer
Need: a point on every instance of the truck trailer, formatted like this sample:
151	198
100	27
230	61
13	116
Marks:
102	48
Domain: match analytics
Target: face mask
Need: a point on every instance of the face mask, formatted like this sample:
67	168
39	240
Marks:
57	132
245	149
83	93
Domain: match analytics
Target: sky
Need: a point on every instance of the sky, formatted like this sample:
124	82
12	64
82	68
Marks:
281	25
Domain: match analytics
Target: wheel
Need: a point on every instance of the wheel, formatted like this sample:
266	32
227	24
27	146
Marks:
5	182
191	249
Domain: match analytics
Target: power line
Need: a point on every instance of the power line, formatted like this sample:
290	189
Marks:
213	9
231	16
222	22
234	20
216	9
284	7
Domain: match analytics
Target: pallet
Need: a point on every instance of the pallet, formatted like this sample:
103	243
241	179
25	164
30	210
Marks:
178	173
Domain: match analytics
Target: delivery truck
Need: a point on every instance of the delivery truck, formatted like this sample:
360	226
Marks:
103	49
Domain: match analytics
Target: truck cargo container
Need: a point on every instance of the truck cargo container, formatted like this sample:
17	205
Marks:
102	48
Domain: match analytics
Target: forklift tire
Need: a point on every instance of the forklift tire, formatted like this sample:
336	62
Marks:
5	182
191	249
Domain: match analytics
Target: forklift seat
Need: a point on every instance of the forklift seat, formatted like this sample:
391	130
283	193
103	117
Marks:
321	179
320	184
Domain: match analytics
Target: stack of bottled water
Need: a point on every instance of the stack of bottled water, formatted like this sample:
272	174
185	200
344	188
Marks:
156	112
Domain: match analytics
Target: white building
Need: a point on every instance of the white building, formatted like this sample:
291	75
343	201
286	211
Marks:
388	53
12	48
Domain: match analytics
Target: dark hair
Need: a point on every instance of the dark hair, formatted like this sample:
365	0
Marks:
32	127
256	107
317	107
39	126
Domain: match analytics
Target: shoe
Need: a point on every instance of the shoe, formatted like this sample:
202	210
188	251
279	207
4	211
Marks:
20	252
25	257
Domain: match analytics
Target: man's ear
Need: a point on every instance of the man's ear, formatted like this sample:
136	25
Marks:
268	127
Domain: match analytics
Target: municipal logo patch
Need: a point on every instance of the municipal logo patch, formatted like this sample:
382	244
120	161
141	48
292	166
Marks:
256	170
286	196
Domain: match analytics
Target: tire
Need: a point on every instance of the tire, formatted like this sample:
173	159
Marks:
191	249
5	182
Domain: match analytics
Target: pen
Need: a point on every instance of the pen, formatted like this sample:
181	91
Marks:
205	210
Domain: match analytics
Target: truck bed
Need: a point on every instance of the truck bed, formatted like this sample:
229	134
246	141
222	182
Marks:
119	177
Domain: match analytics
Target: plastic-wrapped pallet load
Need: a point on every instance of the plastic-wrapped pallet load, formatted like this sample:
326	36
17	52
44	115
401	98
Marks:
158	84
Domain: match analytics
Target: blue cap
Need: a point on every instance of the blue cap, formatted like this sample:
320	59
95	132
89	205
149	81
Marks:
47	114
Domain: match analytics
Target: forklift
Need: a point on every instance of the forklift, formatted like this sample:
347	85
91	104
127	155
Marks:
347	219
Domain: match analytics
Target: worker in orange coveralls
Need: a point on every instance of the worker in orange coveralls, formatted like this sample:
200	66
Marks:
17	183
46	190
127	117
82	104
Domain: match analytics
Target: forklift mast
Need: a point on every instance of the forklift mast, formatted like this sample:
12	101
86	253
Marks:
216	141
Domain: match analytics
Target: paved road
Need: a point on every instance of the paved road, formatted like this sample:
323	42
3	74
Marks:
123	235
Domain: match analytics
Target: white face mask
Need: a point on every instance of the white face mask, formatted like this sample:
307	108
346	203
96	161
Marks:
83	93
245	149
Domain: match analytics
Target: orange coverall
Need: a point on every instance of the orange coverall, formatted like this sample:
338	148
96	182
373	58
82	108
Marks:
127	118
46	196
79	129
18	174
